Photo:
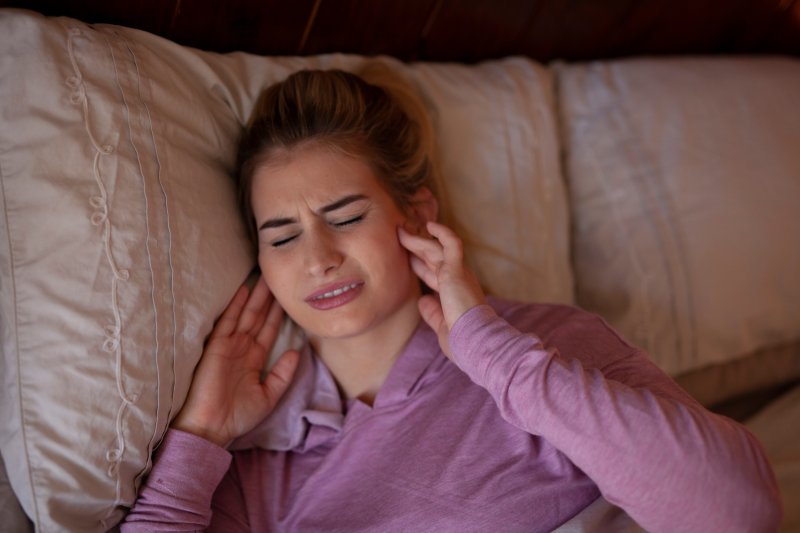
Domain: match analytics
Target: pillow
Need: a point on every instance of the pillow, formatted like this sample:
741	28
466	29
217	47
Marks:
122	240
121	244
684	177
498	139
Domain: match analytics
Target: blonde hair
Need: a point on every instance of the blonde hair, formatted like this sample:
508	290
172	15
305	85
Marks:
375	116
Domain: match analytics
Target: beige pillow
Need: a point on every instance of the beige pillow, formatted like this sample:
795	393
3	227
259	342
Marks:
122	242
499	150
684	177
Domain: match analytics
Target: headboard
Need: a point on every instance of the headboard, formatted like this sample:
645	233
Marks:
456	30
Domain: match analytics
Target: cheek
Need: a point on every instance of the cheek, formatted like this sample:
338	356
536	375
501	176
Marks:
386	252
275	276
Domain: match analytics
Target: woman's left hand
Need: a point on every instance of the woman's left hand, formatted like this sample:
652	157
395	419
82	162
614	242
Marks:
439	262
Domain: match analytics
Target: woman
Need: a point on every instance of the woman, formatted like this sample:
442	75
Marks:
440	411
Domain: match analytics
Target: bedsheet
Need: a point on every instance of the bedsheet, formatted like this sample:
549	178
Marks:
778	428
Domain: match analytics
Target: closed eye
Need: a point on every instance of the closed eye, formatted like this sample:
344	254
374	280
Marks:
281	242
349	221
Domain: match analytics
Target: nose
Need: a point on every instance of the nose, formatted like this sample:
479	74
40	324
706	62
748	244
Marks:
322	255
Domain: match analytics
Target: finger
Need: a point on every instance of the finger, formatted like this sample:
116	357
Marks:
425	273
426	249
409	239
280	377
453	248
272	324
261	317
430	308
226	324
254	308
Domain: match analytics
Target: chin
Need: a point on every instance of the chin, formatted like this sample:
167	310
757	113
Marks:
355	318
330	326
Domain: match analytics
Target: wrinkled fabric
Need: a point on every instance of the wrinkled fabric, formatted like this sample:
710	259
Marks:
544	409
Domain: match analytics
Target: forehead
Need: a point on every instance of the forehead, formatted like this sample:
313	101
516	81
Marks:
314	175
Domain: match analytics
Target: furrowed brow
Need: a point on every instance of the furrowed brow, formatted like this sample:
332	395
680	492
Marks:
276	223
338	204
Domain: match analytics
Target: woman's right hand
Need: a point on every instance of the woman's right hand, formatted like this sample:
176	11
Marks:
227	397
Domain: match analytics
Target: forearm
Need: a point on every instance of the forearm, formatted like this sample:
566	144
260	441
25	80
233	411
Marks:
672	465
178	492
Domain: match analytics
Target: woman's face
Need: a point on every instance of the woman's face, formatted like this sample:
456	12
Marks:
328	246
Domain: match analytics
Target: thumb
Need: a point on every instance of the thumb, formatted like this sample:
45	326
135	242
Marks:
430	308
280	377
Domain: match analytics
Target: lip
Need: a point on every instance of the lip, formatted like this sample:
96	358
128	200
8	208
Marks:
318	300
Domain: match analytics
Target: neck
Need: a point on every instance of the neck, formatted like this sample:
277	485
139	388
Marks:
360	364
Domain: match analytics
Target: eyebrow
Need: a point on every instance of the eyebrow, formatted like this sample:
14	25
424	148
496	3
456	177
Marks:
333	206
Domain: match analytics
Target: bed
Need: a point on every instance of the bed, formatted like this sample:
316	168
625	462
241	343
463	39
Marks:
639	159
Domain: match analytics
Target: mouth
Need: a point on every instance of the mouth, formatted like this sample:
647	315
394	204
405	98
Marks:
335	295
334	292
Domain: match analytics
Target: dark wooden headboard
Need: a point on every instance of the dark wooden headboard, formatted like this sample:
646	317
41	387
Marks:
456	30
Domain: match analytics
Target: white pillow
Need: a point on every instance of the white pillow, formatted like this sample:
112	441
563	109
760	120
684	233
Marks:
499	149
684	177
122	242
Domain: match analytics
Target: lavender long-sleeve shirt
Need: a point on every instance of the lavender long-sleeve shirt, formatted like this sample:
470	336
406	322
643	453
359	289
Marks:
544	409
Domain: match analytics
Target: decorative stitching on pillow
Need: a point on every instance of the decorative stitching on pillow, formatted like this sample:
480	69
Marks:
162	188
137	93
99	217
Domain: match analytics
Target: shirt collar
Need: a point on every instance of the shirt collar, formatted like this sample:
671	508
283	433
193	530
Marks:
312	407
419	355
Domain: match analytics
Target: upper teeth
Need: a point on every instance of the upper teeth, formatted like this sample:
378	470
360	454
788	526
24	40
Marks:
336	292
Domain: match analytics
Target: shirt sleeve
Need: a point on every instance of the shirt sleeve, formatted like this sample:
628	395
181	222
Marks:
188	473
650	448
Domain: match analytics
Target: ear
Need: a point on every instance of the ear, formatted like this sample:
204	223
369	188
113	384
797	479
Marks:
424	207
